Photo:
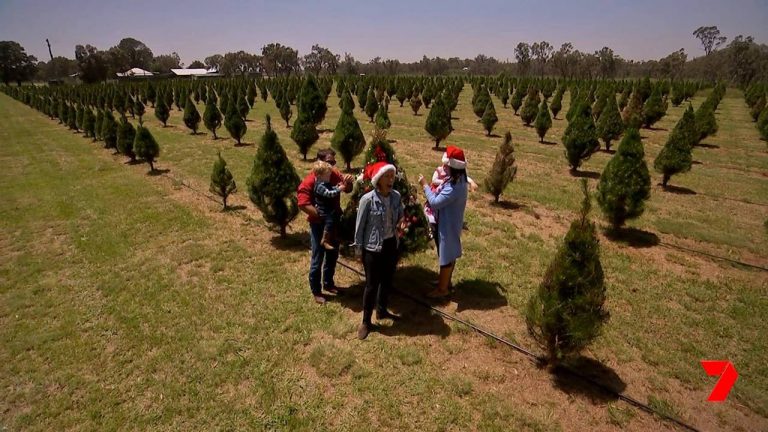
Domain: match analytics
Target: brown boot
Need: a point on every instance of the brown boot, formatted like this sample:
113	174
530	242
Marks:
327	240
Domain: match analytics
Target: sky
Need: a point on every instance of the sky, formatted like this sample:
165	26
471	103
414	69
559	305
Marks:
397	29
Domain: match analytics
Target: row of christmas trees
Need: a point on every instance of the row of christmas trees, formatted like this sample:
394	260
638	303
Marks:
755	97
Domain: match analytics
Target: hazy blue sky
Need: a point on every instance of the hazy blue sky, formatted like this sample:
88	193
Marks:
402	29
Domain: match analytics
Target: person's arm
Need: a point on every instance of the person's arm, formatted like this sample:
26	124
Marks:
442	199
472	184
337	177
323	191
400	209
304	198
362	218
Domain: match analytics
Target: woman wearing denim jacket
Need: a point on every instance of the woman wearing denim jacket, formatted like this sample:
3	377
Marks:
378	215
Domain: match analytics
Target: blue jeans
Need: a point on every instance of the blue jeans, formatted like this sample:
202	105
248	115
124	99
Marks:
323	262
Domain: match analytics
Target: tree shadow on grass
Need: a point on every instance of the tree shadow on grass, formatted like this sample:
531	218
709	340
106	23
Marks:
586	174
633	237
295	241
708	146
549	143
508	205
574	378
244	144
679	190
493	136
479	294
610	152
697	162
657	129
158	172
234	208
325	130
438	149
133	162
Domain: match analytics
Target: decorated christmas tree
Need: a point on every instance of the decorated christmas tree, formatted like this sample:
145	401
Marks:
414	232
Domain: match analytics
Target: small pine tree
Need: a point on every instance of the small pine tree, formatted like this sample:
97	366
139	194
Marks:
757	108
706	123
304	133
580	137
762	123
145	146
543	121
348	138
234	122
517	99
654	109
382	117
161	111
415	104
371	105
89	123
609	124
212	116
362	96
139	110
311	101
503	170
109	130
125	137
489	118
285	110
222	182
557	103
625	184
633	112
191	116
97	124
530	107
438	123
676	157
480	102
273	181
568	311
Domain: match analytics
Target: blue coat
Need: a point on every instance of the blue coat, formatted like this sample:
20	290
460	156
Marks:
449	206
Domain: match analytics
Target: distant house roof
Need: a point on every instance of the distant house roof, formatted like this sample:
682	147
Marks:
134	72
194	72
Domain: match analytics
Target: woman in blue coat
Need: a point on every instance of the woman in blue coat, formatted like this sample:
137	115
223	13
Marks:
448	204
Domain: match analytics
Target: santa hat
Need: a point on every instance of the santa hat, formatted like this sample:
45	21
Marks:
376	170
454	158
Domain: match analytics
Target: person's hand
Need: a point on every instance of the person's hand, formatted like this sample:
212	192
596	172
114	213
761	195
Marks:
342	186
422	180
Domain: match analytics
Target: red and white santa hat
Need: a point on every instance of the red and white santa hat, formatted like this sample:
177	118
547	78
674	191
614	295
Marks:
376	170
454	158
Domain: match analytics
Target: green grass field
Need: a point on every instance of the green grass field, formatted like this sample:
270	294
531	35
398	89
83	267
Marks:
129	301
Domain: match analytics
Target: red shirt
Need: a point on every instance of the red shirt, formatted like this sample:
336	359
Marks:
306	193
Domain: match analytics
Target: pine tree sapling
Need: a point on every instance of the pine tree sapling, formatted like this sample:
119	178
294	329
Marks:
676	156
609	124
348	138
543	121
415	104
382	117
489	118
625	184
222	182
273	181
234	122
285	110
125	137
161	111
557	104
371	105
139	110
530	106
706	123
438	123
503	170
212	116
311	101
654	109
568	311
191	116
145	146
304	133
109	130
580	137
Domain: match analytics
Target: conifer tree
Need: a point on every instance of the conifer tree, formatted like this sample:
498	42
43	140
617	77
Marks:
415	103
72	117
311	101
625	184
676	157
145	147
304	133
503	169
568	311
543	121
762	123
362	96
633	112
438	123
580	137
348	138
530	106
285	110
161	111
402	92
125	137
371	105
222	182
517	99
89	123
489	118
757	107
382	117
234	122
242	105
97	124
609	124
151	94
212	116
557	103
706	123
191	116
654	109
480	102
139	110
109	130
273	181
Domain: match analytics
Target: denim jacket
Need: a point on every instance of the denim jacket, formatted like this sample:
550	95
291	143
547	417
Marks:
369	229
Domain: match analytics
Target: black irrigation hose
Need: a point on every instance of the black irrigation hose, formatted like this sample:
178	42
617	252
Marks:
534	357
707	254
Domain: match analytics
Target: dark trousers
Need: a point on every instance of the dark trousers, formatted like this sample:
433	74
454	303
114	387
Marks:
323	261
329	221
379	270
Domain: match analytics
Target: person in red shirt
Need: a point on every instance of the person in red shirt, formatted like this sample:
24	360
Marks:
322	265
